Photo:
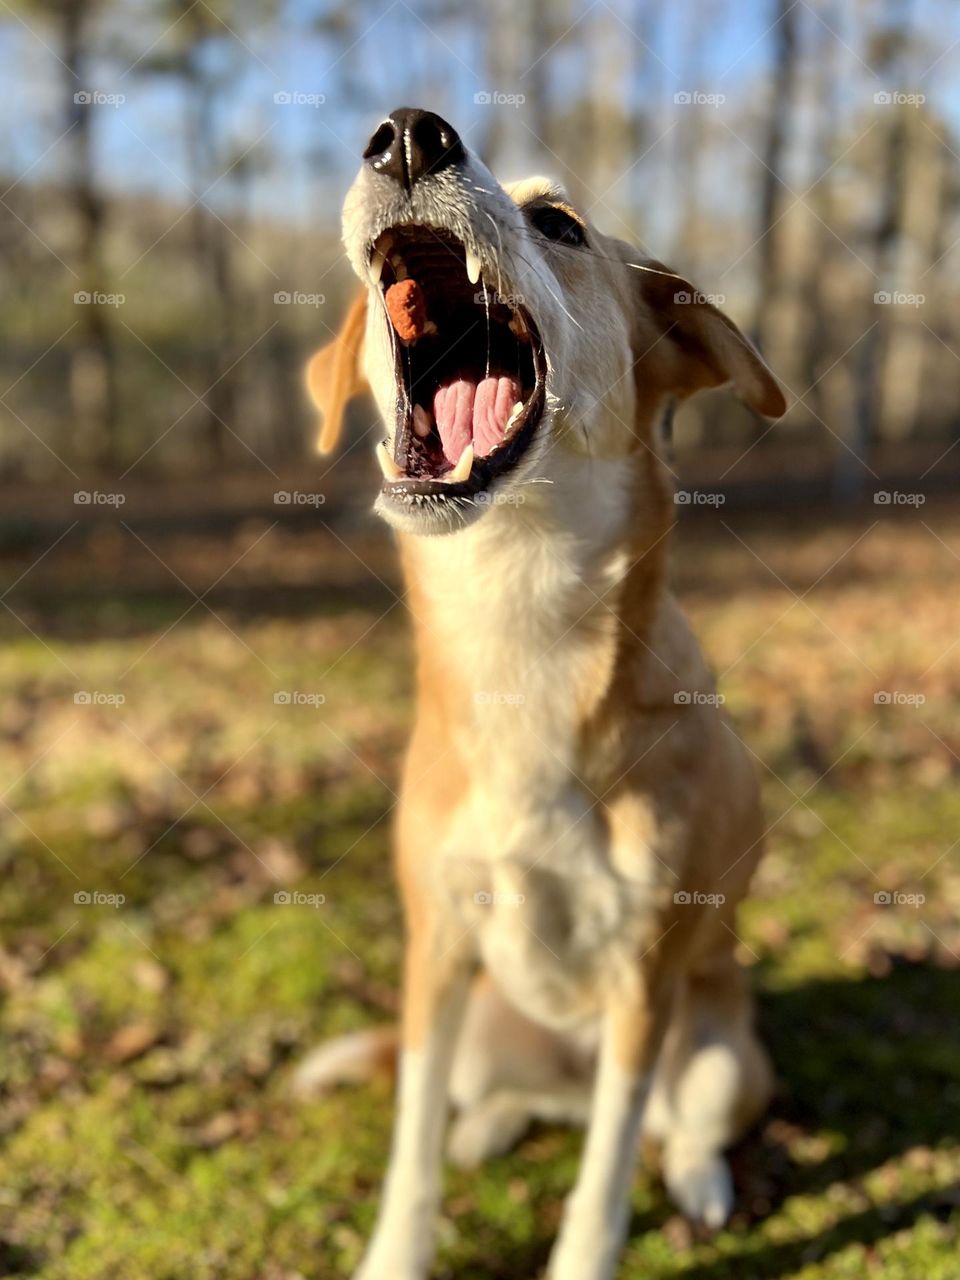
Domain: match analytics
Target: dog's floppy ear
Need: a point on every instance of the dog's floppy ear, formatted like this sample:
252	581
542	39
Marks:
334	374
691	344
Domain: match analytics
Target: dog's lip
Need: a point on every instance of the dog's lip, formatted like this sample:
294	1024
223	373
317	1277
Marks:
486	469
482	474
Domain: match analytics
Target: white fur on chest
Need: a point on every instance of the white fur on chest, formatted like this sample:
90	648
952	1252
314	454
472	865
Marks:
517	601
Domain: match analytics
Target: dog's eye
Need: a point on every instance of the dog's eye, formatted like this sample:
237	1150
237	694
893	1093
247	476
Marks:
556	224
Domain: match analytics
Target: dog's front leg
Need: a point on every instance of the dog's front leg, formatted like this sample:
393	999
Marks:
435	990
596	1214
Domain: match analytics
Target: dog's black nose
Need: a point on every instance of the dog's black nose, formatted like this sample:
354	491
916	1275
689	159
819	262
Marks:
412	143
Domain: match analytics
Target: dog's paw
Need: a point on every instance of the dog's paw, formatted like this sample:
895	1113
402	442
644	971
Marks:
700	1186
490	1128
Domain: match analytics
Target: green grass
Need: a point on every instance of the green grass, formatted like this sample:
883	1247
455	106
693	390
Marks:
146	1123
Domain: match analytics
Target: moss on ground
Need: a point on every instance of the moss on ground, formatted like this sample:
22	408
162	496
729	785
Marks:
146	1123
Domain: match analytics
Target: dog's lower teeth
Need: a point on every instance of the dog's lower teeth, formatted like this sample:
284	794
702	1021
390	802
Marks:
387	465
515	413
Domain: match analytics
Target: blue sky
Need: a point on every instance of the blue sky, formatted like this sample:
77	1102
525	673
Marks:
306	153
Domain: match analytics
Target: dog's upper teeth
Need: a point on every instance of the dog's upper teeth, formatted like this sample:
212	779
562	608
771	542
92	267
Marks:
473	266
463	468
398	266
387	465
379	256
377	259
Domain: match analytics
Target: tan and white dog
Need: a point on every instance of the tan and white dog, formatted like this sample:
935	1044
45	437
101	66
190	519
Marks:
578	820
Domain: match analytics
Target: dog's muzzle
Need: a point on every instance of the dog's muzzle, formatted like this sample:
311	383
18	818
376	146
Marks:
469	363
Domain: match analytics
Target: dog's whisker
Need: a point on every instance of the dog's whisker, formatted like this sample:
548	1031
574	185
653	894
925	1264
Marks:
557	300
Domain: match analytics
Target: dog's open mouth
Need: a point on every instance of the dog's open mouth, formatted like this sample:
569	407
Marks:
469	366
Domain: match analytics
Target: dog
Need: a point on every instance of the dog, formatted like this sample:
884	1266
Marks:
578	820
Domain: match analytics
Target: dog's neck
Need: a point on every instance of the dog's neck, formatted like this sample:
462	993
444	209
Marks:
522	619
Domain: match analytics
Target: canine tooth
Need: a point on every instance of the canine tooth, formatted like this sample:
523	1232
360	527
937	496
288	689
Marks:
473	266
421	421
387	465
377	259
378	255
463	468
398	266
515	413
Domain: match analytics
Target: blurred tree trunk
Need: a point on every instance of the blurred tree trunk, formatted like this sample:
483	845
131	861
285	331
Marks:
93	370
689	151
919	219
499	32
771	229
535	39
210	239
608	117
889	53
829	383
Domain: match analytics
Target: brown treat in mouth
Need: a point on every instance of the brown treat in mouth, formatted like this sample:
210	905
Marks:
407	309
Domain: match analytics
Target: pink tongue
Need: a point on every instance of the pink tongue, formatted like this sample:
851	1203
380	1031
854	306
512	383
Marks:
466	410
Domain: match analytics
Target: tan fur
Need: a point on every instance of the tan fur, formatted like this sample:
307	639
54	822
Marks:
547	840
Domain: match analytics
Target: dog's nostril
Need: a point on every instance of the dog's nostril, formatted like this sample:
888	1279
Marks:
381	140
428	137
410	144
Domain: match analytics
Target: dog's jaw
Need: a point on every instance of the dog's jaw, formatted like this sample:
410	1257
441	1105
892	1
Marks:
467	207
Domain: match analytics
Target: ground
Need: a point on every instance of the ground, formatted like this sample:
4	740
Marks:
195	890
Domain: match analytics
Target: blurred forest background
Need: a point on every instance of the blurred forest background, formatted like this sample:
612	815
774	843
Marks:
181	163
